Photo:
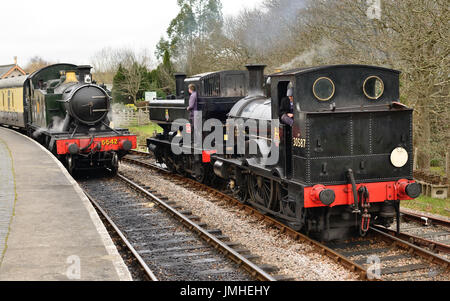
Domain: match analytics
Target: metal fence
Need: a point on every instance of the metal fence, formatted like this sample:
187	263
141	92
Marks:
123	117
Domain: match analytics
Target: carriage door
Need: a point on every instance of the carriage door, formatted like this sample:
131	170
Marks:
26	101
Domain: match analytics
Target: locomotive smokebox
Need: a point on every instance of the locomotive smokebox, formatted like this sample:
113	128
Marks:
84	74
179	82
255	79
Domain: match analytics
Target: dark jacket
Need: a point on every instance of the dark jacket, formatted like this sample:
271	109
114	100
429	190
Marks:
285	106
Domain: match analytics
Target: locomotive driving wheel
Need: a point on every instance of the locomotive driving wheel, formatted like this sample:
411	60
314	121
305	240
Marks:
241	192
260	190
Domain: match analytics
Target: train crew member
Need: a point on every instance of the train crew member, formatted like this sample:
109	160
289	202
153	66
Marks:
287	108
194	116
192	108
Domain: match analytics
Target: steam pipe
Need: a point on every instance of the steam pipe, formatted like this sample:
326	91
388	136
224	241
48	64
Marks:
66	123
351	178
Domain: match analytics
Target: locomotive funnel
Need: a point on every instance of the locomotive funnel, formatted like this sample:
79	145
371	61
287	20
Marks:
179	81
255	79
84	74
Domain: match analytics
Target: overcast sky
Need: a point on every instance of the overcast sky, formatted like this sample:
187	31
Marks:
72	31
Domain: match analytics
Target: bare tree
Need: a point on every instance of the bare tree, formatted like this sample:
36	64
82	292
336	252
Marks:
410	35
133	68
106	62
35	64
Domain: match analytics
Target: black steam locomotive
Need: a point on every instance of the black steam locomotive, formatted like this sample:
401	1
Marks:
344	165
64	110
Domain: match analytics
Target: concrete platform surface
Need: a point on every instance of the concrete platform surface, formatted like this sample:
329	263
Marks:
48	228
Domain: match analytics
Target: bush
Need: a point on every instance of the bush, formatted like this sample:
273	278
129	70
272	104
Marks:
131	106
435	163
141	103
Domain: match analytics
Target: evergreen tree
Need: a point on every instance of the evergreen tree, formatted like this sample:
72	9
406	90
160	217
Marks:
194	24
117	95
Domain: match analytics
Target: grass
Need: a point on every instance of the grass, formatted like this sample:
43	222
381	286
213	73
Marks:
147	130
438	170
430	205
143	132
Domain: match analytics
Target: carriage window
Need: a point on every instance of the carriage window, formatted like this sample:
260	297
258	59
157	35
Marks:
323	89
373	87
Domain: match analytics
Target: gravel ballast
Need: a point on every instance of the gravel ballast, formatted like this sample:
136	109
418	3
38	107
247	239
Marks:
293	258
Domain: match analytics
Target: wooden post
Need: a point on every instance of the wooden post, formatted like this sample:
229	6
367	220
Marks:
139	117
415	159
447	164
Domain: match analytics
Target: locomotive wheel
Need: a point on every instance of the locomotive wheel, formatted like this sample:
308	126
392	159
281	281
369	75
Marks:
200	174
260	190
241	193
70	165
114	165
168	161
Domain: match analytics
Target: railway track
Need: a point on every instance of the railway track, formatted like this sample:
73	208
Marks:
112	227
396	258
167	243
390	258
426	231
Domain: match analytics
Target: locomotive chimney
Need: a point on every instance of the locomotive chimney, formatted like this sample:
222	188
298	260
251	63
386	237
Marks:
255	79
179	81
84	74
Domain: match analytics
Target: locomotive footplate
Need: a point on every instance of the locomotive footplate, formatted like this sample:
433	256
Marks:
86	144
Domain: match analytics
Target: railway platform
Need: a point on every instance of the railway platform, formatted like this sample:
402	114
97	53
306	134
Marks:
48	228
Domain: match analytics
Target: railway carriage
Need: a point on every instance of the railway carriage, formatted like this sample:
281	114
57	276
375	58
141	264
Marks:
344	164
12	102
64	110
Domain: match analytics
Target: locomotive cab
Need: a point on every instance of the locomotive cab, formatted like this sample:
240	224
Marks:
217	93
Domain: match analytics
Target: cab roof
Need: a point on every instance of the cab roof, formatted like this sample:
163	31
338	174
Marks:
298	71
